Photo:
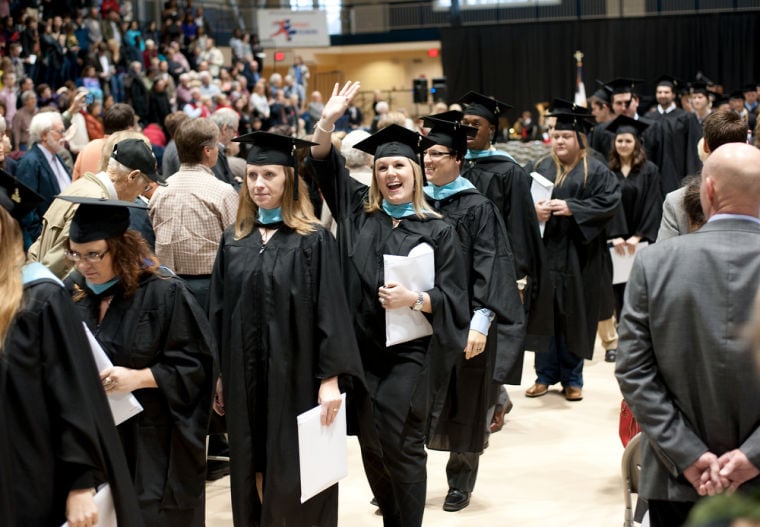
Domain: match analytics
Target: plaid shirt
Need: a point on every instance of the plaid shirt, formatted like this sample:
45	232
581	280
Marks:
189	216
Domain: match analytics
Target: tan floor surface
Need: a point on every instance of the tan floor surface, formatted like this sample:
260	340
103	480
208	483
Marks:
554	463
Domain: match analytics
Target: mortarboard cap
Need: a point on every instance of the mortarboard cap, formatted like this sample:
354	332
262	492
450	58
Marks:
737	94
603	93
623	85
699	87
623	124
395	140
135	154
750	86
99	218
667	80
15	197
720	99
274	149
570	116
446	130
486	107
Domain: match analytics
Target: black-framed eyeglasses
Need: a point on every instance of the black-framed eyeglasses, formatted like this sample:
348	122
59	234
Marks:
435	156
91	257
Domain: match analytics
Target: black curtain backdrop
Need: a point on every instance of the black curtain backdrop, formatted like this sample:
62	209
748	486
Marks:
522	64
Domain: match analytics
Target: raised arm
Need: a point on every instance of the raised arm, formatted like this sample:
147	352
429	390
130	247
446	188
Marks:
336	106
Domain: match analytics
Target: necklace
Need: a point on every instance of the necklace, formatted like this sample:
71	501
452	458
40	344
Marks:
266	235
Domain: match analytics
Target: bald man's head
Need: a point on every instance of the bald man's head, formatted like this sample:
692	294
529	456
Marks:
731	181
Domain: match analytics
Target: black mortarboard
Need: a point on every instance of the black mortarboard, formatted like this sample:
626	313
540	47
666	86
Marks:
603	92
667	80
570	116
99	218
737	94
623	85
622	124
446	130
484	106
699	87
750	86
135	154
15	197
395	140
720	99
274	149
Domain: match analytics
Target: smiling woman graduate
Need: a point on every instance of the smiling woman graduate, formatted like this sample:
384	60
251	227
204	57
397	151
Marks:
391	217
279	315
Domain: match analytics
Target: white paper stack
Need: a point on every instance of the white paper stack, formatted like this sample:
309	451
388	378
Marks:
322	451
416	272
123	405
621	265
541	189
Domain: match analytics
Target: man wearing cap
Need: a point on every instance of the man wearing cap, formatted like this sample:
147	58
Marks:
700	100
679	134
498	177
131	169
463	410
190	214
601	108
118	117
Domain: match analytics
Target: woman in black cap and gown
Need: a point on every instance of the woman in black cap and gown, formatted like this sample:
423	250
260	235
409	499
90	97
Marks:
58	441
641	197
159	341
585	197
279	315
391	217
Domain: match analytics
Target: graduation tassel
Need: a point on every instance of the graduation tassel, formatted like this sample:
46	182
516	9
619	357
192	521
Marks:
295	173
422	161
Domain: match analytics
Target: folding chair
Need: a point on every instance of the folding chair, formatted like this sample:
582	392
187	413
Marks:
631	468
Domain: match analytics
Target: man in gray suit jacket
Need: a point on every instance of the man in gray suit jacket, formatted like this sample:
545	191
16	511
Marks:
683	366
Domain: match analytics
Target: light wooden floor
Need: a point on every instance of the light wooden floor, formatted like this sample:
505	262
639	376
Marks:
554	463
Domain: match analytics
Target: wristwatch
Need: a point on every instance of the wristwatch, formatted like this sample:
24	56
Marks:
419	303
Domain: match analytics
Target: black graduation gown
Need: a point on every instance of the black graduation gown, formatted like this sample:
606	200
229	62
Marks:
641	204
678	133
507	184
576	247
279	315
601	139
163	328
363	239
460	408
63	436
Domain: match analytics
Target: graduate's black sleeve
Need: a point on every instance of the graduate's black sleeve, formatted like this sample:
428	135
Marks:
651	206
342	193
216	304
598	203
183	373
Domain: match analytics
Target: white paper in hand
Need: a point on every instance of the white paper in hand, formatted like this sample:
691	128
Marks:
106	512
622	265
123	405
541	190
322	451
416	272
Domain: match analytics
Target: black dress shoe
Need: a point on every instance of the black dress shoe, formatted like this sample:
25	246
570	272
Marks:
610	355
456	500
217	470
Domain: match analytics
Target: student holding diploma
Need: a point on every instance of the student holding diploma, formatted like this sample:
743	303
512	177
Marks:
57	437
279	314
391	217
159	340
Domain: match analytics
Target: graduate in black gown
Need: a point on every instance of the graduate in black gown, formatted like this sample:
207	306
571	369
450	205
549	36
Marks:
279	314
679	133
58	441
460	419
160	343
499	178
391	218
641	198
586	195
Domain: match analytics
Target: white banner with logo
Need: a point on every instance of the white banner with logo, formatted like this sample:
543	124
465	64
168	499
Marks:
293	29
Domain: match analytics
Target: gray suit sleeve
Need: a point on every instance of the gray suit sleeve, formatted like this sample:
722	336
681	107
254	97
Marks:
669	223
643	388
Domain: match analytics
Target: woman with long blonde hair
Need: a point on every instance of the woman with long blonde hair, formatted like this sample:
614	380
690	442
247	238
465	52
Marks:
392	217
57	437
585	196
278	312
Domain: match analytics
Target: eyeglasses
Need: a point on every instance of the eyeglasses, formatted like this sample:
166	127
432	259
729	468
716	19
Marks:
91	257
435	156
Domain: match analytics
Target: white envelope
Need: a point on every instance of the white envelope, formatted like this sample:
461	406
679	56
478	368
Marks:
541	189
322	451
416	272
621	265
104	502
123	405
